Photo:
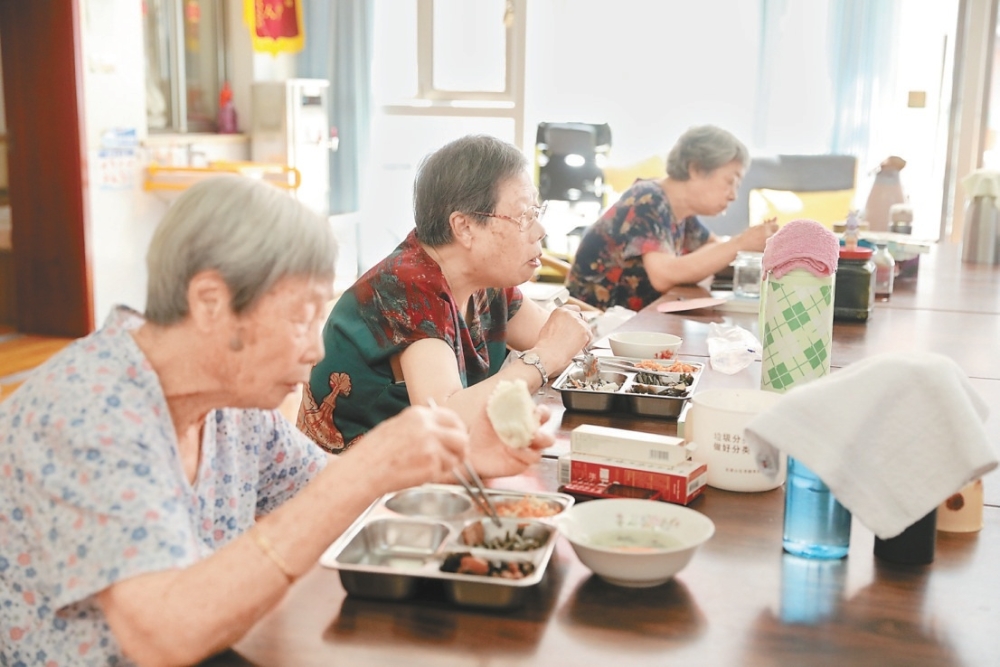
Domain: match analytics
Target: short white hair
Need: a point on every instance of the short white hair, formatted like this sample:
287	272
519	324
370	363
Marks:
705	148
251	232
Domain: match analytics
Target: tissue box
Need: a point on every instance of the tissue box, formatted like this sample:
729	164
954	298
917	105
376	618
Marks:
679	484
617	443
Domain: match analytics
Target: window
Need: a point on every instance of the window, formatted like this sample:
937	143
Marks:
185	63
446	50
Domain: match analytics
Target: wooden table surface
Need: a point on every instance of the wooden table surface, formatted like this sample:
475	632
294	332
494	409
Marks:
741	601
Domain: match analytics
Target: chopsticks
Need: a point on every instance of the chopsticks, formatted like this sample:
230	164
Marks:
473	485
599	362
478	494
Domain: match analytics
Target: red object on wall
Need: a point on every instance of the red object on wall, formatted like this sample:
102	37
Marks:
275	25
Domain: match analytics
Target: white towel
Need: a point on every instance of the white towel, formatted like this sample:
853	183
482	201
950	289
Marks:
892	436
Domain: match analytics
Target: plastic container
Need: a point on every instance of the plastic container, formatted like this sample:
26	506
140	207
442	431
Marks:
885	272
747	274
816	524
854	294
962	512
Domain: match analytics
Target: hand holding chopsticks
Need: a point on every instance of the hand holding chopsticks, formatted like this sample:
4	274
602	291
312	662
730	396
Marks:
473	484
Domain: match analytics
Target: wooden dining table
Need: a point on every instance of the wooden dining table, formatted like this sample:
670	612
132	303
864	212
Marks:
741	600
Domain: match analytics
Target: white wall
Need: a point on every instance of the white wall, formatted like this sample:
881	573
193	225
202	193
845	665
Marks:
122	215
648	69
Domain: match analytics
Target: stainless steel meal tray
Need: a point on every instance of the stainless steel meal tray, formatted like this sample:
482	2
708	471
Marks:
625	399
397	546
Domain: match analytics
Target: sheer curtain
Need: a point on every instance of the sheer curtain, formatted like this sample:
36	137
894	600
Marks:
338	47
863	49
826	75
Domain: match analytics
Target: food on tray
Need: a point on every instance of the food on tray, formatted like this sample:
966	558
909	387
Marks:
466	563
527	507
512	413
647	383
474	535
675	367
597	385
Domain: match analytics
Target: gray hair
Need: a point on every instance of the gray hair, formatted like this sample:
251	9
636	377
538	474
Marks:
705	148
252	233
464	175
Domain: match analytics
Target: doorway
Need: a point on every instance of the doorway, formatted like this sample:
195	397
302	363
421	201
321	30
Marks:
40	54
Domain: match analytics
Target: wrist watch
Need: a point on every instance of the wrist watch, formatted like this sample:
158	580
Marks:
533	359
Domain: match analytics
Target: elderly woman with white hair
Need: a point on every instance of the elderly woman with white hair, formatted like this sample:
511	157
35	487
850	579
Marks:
153	502
651	239
433	321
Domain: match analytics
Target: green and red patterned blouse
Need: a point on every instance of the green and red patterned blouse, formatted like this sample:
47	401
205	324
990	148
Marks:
607	270
402	299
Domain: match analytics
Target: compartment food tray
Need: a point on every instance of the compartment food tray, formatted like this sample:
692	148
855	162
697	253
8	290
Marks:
396	547
624	399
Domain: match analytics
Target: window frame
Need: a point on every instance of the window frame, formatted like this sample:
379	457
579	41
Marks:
431	101
178	122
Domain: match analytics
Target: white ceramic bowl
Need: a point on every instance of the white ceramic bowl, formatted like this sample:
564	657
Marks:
612	536
644	344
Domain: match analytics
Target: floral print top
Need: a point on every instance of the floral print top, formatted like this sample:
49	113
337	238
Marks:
92	492
402	299
607	270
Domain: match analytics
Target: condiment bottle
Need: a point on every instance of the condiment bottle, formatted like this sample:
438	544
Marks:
885	271
226	117
851	231
854	296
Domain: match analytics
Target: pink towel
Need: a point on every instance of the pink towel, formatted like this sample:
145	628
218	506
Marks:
802	244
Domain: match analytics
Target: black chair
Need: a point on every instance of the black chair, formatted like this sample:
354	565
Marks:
569	157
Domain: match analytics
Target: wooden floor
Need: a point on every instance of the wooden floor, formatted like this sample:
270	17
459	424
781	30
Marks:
20	353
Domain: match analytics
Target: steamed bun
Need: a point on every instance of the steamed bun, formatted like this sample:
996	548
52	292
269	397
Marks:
512	413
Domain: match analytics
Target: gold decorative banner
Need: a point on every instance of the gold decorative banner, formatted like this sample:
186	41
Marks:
275	25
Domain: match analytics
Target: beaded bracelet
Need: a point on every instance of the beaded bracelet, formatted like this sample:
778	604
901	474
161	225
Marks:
268	549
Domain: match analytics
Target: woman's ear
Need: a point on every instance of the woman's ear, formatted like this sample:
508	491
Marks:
208	300
461	228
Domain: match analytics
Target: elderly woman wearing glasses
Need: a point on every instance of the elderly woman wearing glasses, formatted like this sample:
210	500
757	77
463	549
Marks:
651	239
432	321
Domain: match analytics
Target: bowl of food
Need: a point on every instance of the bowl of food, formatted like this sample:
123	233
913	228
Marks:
632	542
644	344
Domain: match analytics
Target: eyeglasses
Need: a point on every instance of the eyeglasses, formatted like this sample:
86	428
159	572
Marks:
532	215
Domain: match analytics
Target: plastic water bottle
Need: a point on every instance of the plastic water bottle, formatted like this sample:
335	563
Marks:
816	524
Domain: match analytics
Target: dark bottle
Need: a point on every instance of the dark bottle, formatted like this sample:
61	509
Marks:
854	290
914	546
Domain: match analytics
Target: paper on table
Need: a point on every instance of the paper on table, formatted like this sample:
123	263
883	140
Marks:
689	304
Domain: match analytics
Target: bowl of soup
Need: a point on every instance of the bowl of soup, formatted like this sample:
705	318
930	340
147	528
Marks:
632	542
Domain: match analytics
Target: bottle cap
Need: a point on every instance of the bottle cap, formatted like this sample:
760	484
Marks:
857	253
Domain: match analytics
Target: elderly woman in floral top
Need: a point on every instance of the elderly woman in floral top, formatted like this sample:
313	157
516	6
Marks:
433	321
153	502
651	239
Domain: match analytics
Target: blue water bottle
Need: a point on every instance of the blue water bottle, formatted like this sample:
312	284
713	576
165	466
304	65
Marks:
816	524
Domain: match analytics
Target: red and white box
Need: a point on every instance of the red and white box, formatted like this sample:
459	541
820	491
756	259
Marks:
678	484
